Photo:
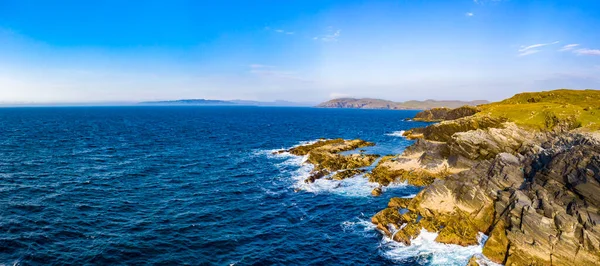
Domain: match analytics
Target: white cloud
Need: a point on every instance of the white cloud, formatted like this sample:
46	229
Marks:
587	52
528	52
525	48
469	14
280	31
330	36
568	47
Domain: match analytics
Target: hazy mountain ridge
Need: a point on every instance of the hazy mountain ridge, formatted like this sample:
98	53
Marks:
368	103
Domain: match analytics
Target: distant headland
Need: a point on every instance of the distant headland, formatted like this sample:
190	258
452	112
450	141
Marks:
368	103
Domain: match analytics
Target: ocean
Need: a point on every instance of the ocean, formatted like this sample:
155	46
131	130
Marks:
195	185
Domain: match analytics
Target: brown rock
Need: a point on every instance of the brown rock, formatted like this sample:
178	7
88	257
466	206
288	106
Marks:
377	192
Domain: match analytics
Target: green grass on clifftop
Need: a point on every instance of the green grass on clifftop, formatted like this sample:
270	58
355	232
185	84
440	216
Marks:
545	110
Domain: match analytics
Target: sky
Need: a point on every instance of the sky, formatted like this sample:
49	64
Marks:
304	51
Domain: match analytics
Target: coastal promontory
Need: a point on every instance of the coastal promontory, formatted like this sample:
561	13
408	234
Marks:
525	171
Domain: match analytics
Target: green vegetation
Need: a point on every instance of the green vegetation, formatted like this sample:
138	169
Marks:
568	109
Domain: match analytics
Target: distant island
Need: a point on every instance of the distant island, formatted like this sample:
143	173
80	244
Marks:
222	102
367	103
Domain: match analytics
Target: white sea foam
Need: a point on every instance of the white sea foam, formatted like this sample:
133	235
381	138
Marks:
357	186
396	134
359	226
428	252
297	168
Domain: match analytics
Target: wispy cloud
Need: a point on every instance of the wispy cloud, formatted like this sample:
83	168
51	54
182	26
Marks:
330	36
469	14
528	52
533	49
525	48
281	31
568	47
587	52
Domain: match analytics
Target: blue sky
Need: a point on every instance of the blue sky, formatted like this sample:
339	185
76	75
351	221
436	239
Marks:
94	51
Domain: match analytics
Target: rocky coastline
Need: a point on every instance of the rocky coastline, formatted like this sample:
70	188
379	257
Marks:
531	184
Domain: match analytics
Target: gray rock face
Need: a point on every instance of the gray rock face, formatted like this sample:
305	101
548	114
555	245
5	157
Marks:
545	201
536	195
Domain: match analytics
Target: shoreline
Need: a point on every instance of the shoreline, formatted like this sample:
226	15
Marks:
489	174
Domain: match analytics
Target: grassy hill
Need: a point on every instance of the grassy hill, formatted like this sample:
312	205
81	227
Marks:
545	110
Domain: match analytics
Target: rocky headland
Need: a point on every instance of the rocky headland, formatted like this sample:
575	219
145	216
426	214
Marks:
524	171
367	103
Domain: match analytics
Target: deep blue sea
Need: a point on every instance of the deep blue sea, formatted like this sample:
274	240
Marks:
194	185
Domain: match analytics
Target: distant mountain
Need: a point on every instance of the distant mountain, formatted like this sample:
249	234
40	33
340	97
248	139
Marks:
366	103
221	102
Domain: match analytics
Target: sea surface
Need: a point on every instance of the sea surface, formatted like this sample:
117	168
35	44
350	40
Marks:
195	185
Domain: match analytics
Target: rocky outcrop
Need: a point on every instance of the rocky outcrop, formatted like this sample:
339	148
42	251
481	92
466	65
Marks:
442	114
443	131
539	205
327	159
432	115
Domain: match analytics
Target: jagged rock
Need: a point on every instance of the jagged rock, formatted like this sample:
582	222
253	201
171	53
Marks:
341	175
484	144
326	158
496	247
443	131
377	192
387	217
316	175
335	162
473	261
539	206
401	203
330	146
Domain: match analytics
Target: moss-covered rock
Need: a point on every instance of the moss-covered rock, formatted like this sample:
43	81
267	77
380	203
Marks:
442	114
432	115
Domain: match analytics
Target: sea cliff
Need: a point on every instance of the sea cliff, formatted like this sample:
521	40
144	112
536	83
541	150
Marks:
524	171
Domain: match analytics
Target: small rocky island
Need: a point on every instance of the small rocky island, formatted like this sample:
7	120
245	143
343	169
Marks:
524	171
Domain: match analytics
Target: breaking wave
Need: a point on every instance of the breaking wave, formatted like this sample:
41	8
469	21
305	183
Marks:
396	134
